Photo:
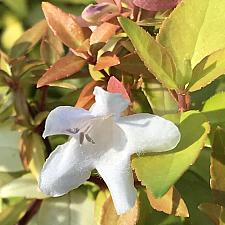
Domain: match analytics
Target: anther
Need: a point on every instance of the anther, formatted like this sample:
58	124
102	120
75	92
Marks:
81	137
89	139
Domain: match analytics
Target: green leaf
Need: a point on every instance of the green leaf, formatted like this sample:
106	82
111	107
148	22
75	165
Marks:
194	191
24	186
159	98
29	39
155	57
215	212
71	209
193	31
214	108
217	169
9	151
208	70
158	172
13	213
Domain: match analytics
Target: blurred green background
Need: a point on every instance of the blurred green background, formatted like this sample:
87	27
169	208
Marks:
19	15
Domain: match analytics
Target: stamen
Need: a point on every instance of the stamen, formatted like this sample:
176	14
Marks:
73	130
89	139
81	138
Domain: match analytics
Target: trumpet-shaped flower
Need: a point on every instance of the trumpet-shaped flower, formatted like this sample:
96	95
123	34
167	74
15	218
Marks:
101	138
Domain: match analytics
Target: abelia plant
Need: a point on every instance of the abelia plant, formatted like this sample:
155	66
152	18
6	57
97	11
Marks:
115	116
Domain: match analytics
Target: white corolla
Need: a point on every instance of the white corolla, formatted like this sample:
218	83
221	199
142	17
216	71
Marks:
101	138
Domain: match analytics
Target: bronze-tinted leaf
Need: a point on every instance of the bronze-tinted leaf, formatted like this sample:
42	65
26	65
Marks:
109	216
103	32
65	26
115	86
86	98
27	41
215	212
65	67
107	60
156	5
217	169
171	203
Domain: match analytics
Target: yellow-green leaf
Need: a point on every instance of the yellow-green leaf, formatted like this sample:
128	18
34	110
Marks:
155	57
158	172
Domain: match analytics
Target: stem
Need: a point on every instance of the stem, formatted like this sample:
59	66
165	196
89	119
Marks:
183	101
33	209
44	95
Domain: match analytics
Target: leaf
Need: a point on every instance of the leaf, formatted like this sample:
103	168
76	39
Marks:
132	64
86	98
29	39
64	67
13	213
25	186
103	32
194	191
217	169
171	203
214	108
95	74
51	48
186	31
159	98
32	152
106	60
110	216
215	212
115	86
207	70
71	209
65	26
156	5
158	172
9	149
155	57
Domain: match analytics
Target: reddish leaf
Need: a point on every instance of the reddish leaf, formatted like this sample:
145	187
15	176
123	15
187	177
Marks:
65	67
171	203
65	26
107	60
86	98
103	32
115	86
156	5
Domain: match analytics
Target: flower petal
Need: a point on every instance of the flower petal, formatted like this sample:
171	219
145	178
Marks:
149	133
115	170
108	103
63	118
65	169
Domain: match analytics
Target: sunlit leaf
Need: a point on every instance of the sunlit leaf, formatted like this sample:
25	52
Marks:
24	186
65	26
159	98
208	70
214	108
103	32
13	213
158	172
155	57
171	203
110	217
64	67
217	169
71	209
9	149
193	31
29	38
106	60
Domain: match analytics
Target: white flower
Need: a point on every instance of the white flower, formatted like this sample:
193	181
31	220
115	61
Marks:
101	139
